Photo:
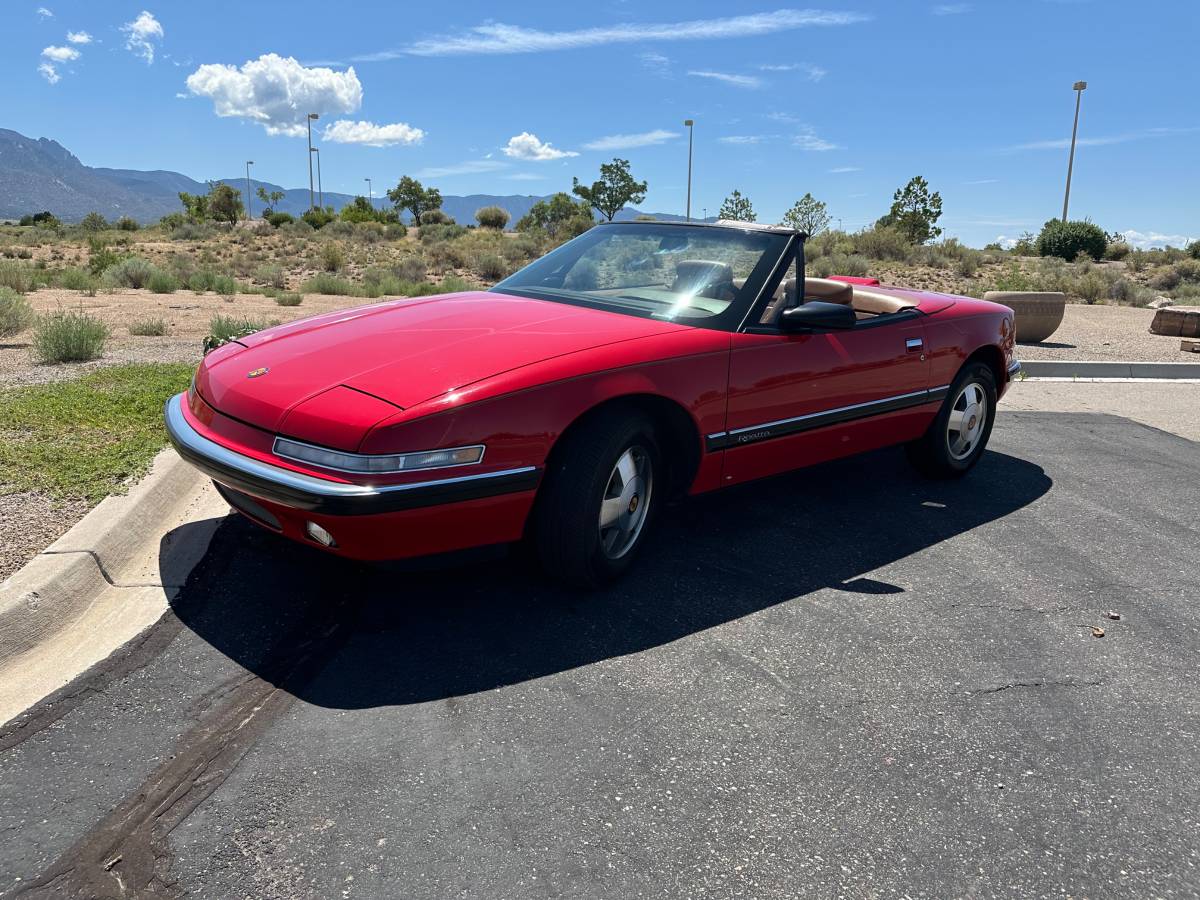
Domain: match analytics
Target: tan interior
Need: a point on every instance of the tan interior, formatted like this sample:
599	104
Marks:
704	278
866	303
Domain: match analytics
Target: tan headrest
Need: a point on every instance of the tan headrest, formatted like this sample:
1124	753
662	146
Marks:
698	273
881	304
827	291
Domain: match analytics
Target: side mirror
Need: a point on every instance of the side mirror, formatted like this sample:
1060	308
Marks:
817	315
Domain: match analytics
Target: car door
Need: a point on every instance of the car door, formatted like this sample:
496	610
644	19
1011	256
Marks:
799	399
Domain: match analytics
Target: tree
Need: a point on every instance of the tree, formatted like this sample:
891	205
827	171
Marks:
492	217
410	194
558	216
738	208
225	203
915	211
269	200
615	189
194	205
808	214
93	221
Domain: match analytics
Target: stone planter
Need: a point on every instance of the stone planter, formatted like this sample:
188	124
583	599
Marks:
1037	313
1177	321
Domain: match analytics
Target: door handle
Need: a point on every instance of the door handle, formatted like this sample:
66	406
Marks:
912	345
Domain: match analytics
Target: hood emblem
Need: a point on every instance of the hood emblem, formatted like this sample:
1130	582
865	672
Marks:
255	373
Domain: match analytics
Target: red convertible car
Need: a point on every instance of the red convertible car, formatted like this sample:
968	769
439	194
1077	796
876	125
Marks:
563	406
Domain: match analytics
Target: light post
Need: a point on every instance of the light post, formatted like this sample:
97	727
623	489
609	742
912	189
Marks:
249	208
704	209
320	190
689	123
1079	87
309	122
370	193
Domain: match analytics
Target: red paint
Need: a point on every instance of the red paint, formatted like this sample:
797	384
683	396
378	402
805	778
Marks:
514	374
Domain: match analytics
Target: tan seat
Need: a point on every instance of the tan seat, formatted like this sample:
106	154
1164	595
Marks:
704	278
864	302
878	303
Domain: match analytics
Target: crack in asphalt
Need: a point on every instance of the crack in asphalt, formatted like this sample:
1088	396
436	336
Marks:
126	854
1035	684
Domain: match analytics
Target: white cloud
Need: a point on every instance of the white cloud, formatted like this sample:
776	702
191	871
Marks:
983	181
1005	242
527	146
344	131
1064	143
525	176
276	92
742	81
1146	240
842	170
741	139
49	72
496	37
470	167
656	63
807	139
951	9
630	141
79	37
141	33
815	73
60	54
45	13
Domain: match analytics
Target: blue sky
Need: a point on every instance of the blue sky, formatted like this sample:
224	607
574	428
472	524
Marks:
845	100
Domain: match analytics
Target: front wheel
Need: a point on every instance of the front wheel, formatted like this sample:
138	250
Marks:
600	493
958	435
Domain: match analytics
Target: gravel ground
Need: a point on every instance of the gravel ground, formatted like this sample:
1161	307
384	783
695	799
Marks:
30	522
1107	332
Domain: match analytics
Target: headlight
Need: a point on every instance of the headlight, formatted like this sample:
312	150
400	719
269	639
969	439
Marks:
378	463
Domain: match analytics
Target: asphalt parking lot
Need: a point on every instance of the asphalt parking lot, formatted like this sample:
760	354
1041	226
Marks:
843	682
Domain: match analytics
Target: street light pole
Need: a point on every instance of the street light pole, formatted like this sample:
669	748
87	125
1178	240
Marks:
689	123
320	190
309	122
249	207
1079	87
370	193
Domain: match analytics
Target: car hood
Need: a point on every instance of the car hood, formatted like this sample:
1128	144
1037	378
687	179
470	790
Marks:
357	366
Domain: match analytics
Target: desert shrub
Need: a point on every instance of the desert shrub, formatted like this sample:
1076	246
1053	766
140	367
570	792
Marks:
318	218
279	218
338	228
492	217
100	256
489	266
131	272
15	312
967	265
193	231
223	329
435	217
453	284
161	282
289	299
126	224
445	255
171	221
19	277
93	221
73	279
1013	279
1091	287
68	337
1188	269
1193	250
584	276
1116	250
207	280
840	264
272	275
296	228
148	327
882	242
1165	278
411	268
40	218
368	232
444	231
1067	240
1123	290
324	283
333	258
394	231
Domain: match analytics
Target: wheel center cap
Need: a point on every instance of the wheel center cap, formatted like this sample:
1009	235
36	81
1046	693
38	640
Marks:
633	504
971	423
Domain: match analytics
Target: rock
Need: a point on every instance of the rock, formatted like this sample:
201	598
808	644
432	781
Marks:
1160	303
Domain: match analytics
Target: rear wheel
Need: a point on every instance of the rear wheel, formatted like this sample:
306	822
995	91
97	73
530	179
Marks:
957	437
599	495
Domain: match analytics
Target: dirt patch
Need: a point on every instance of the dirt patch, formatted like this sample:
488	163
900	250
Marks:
30	522
1106	332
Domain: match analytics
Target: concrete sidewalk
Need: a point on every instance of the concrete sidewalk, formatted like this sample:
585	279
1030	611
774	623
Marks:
1168	406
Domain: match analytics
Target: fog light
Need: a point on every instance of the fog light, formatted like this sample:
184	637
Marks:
319	534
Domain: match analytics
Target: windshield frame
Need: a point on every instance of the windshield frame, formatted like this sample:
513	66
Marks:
730	319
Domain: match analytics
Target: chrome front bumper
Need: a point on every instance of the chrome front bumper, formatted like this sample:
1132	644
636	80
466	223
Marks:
1013	368
318	495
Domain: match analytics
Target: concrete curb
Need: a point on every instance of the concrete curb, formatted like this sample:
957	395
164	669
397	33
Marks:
1046	368
103	582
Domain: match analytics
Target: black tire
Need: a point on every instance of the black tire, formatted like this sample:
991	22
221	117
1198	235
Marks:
937	454
566	530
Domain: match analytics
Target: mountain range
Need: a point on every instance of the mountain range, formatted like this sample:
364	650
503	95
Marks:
40	174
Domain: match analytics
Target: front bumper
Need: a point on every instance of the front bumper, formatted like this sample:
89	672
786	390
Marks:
1014	368
298	491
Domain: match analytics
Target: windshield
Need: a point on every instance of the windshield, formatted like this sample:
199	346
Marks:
699	275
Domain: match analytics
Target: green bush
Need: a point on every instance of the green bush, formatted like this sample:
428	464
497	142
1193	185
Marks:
1165	278
15	312
447	231
324	283
127	224
20	277
223	329
1116	250
280	218
435	217
1013	279
272	275
93	221
1193	249
161	282
171	221
191	231
73	279
100	256
318	218
1067	240
1091	287
290	299
208	280
148	327
411	268
882	242
333	258
489	266
453	285
68	337
394	231
492	217
131	272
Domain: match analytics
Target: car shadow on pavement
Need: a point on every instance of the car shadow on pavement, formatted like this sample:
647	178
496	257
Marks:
386	635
